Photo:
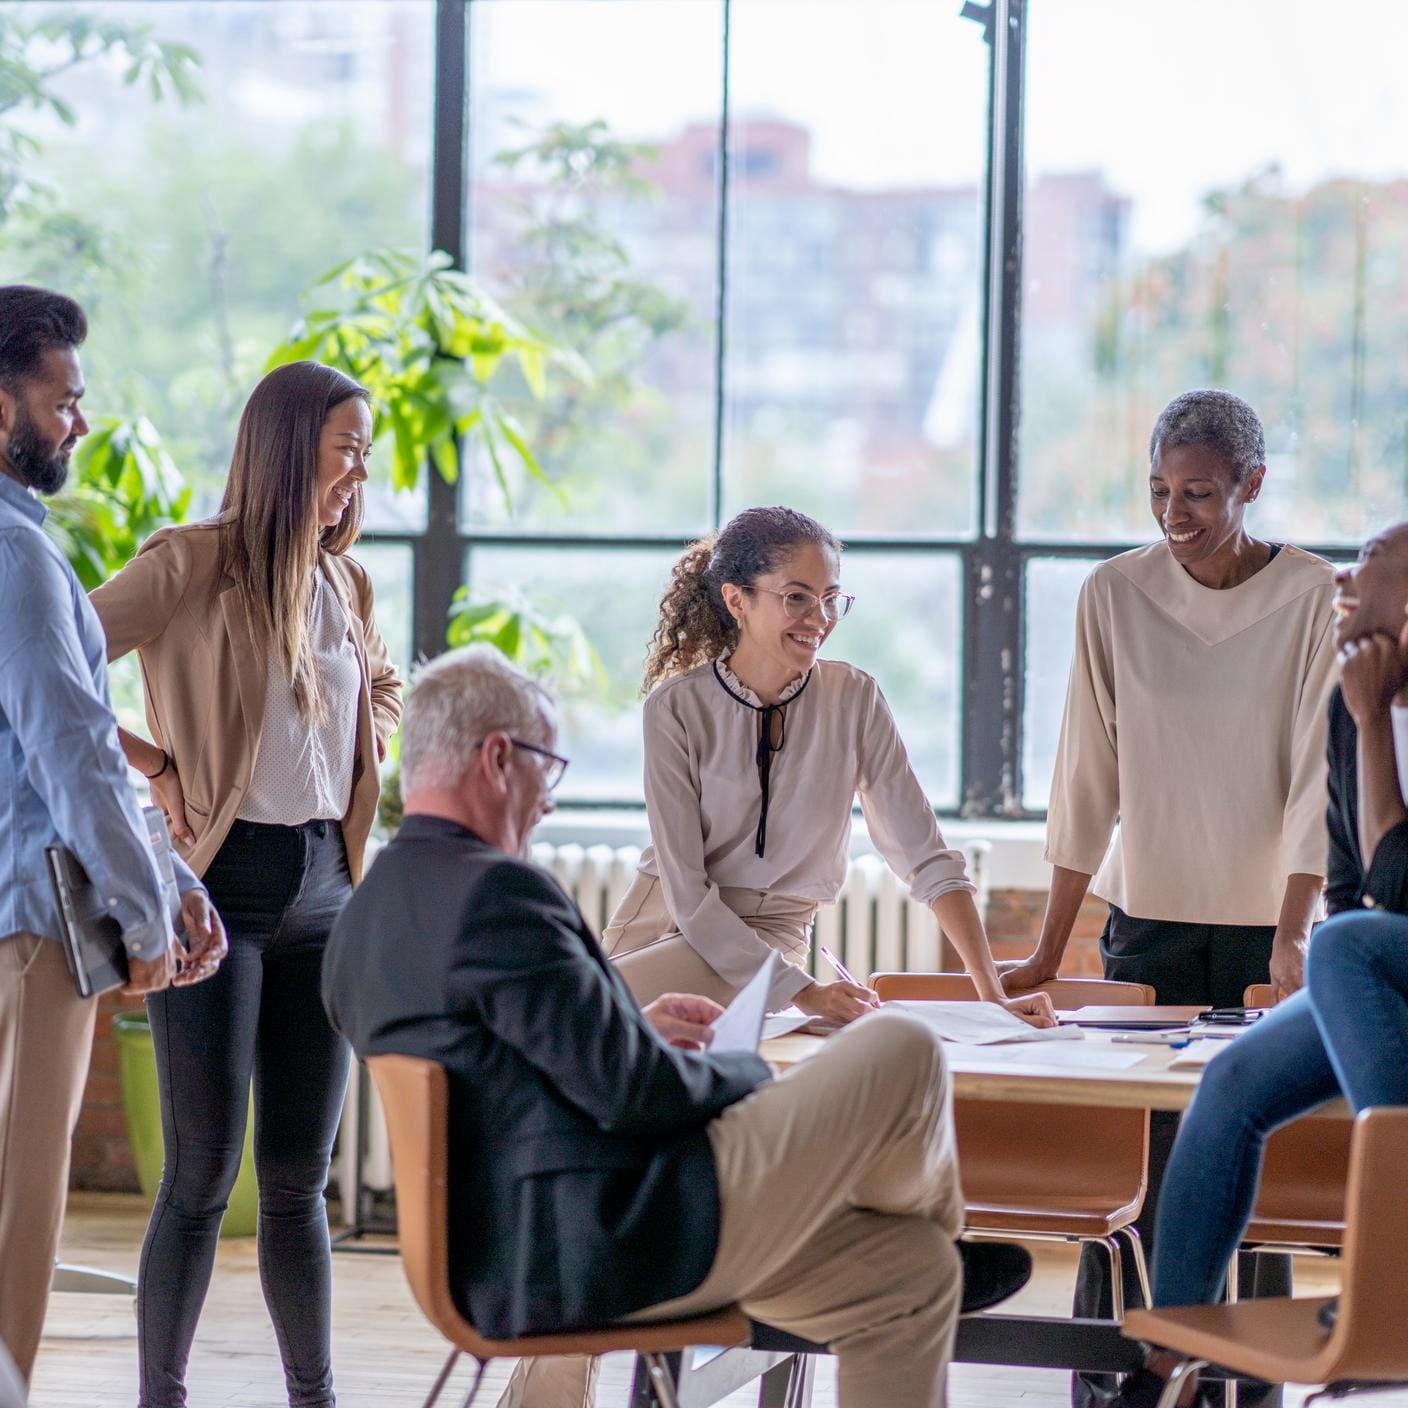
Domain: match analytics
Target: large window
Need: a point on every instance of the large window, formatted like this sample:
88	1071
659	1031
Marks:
927	271
776	275
1240	225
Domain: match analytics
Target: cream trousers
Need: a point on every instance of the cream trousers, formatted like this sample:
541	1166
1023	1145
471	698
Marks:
840	1205
46	1038
654	958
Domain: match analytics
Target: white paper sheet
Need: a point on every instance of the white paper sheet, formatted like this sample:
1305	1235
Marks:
740	1027
1086	1056
982	1023
780	1023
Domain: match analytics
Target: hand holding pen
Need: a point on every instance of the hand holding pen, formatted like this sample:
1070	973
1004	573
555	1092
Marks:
837	1002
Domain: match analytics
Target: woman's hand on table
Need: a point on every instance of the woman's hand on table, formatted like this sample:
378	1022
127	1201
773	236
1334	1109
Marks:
1287	964
836	1002
1020	975
683	1019
1034	1009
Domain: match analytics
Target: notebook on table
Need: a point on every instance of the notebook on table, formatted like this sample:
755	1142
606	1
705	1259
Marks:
1130	1019
91	937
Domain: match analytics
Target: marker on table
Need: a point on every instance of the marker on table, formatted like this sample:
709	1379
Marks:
1176	1038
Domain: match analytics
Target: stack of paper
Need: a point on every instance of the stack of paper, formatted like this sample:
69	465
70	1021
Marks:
982	1023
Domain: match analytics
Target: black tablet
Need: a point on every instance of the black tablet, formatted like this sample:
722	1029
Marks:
91	937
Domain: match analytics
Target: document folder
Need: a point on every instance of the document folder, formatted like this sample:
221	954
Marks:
91	937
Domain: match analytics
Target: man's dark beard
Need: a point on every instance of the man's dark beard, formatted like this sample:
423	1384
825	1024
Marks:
37	462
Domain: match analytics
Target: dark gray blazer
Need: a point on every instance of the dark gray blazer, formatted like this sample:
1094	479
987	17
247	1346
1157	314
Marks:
582	1181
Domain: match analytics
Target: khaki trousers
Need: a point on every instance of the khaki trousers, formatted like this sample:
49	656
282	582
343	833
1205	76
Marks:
654	958
46	1038
840	1206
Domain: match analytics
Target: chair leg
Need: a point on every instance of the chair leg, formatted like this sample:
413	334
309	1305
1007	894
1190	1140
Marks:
1234	1279
1169	1397
480	1366
1112	1249
661	1380
441	1381
787	1385
1141	1262
799	1389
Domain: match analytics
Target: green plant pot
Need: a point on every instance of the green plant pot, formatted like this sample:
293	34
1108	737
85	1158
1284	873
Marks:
141	1103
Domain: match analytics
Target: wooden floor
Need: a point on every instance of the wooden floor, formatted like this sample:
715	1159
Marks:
385	1355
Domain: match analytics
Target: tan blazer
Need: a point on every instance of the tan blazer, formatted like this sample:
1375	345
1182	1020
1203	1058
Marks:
204	678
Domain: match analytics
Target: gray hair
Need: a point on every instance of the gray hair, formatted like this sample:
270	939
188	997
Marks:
457	698
1218	419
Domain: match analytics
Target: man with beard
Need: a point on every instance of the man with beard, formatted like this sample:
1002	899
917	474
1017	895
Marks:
63	781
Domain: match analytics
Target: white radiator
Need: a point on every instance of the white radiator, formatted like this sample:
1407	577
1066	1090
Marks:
873	927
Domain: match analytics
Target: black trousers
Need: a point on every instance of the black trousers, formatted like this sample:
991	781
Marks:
279	889
1185	964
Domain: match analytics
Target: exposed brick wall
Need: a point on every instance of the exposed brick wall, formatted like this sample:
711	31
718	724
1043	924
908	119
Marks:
101	1158
1014	921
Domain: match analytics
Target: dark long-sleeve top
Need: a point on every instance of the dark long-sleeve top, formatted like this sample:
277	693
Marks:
1349	885
582	1182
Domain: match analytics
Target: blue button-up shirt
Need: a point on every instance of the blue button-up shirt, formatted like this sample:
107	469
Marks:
63	778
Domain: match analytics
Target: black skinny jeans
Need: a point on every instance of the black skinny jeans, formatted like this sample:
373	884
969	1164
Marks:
278	889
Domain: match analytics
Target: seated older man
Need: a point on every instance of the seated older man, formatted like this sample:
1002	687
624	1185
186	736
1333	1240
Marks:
600	1168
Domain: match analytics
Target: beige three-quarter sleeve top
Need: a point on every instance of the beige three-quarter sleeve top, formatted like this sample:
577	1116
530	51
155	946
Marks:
1196	720
703	796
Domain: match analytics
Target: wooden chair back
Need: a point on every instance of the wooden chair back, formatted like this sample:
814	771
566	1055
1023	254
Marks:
1281	1340
1066	994
1368	1340
1088	1161
415	1095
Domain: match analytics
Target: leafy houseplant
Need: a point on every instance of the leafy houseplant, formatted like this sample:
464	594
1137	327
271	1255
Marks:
124	487
428	343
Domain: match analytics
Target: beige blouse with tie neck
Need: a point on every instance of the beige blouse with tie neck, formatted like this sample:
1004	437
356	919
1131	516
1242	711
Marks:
1196	719
702	794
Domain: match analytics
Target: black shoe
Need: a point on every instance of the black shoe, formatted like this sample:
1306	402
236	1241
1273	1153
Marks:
1143	1389
992	1271
1329	1313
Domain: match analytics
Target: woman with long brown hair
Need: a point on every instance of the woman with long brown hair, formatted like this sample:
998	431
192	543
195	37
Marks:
755	751
270	697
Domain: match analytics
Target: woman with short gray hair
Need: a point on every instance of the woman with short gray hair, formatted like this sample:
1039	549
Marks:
1189	788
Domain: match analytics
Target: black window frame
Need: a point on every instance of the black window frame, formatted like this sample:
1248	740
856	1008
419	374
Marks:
993	561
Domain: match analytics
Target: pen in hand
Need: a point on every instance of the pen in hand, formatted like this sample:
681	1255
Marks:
842	971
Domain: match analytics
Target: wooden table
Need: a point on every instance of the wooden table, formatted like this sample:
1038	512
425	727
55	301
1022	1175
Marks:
1095	1346
1150	1085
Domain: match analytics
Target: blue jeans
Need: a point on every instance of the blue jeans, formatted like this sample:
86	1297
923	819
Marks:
1345	1033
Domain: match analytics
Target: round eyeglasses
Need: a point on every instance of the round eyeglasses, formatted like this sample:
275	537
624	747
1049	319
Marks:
799	604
